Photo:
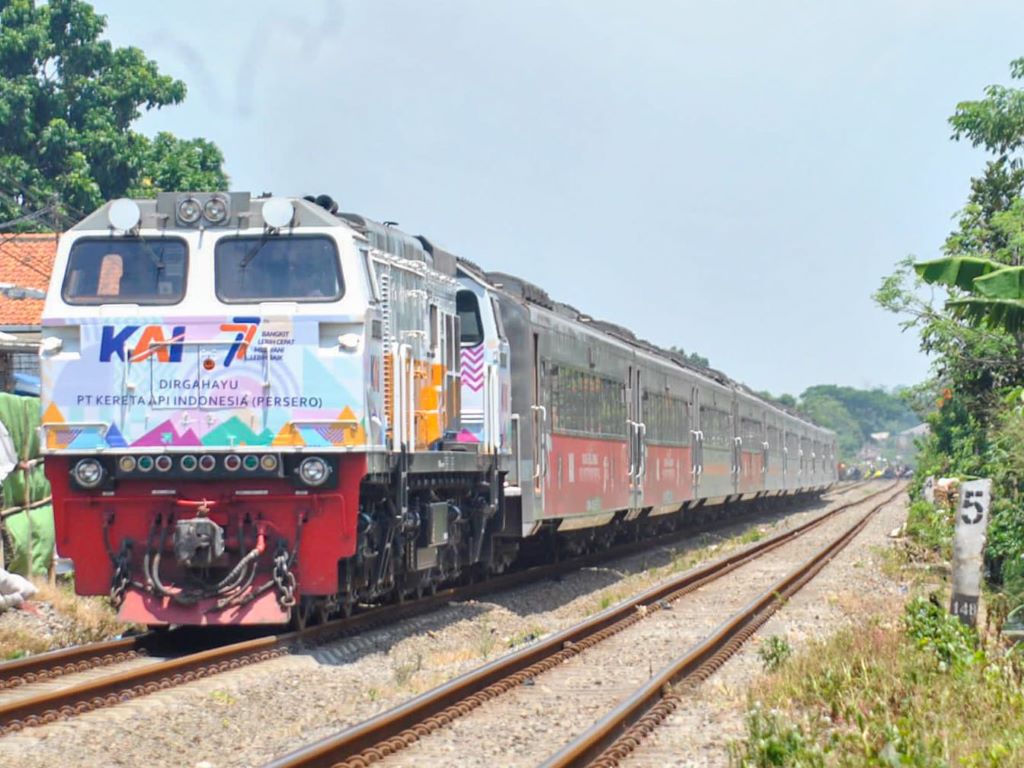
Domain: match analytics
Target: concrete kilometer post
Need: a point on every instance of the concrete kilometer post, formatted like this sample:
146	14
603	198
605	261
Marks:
968	547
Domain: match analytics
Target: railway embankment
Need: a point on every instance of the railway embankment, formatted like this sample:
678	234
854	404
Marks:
904	683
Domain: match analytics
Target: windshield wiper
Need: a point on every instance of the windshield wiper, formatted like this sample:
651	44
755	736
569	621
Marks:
158	261
264	239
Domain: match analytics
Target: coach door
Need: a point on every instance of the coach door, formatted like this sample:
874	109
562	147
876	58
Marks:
696	441
540	423
637	438
737	446
765	451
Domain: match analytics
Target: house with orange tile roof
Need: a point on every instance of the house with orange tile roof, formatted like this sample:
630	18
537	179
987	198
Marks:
26	261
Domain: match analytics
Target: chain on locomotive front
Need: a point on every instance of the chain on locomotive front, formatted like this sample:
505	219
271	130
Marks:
213	396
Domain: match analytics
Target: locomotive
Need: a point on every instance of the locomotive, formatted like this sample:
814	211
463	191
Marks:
263	410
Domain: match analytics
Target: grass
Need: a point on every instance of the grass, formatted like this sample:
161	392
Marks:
486	640
526	636
920	691
930	531
405	667
85	620
774	652
223	698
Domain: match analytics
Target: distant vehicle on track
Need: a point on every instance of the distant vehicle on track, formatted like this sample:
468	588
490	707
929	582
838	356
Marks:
261	410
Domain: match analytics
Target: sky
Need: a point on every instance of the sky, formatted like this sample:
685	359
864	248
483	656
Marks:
733	178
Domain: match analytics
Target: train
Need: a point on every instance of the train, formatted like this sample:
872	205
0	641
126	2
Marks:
262	410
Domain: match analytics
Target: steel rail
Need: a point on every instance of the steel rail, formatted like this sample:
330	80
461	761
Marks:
55	664
397	728
46	666
47	707
619	732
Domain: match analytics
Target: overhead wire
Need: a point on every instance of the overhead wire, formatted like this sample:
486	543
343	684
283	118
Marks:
27	192
27	217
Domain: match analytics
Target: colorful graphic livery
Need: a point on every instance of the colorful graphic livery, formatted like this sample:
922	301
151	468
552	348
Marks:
262	411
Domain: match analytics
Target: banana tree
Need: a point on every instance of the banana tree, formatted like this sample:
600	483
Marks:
994	292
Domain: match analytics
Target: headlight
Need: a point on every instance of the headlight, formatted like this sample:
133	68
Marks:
88	473
189	210
314	471
215	210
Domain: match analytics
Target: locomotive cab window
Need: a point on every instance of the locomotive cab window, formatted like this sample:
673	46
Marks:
468	308
282	268
126	271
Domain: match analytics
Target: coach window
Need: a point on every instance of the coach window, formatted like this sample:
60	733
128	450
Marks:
497	318
282	268
469	318
126	271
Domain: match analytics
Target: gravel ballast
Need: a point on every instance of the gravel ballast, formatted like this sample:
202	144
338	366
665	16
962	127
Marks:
248	716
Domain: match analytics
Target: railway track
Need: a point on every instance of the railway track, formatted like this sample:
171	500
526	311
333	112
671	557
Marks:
31	708
613	738
51	665
396	729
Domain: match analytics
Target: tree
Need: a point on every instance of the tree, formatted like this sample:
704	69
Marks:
693	358
67	103
172	163
976	336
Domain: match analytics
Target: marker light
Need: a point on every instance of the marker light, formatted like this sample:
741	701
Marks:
88	473
126	463
189	210
164	463
314	471
189	463
124	214
207	462
251	463
277	212
215	210
268	462
349	341
145	463
232	462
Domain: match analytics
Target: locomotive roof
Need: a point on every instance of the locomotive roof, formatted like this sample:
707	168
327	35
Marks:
159	213
322	212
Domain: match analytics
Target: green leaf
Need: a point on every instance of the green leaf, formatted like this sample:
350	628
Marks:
68	101
1007	314
959	271
1006	283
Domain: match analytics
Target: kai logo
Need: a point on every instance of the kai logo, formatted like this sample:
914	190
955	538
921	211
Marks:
152	343
169	346
244	329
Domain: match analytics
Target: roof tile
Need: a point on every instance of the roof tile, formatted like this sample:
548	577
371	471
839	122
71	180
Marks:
26	261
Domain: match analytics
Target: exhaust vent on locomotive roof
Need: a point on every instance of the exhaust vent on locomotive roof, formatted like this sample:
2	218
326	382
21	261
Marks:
324	201
444	262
